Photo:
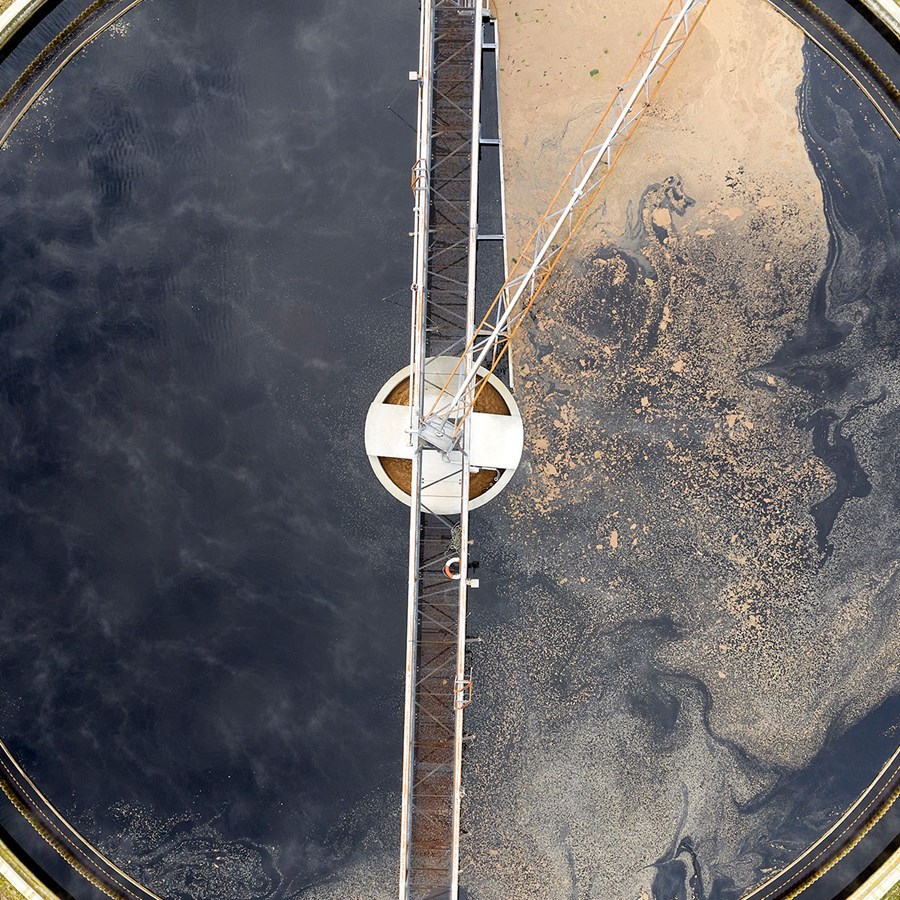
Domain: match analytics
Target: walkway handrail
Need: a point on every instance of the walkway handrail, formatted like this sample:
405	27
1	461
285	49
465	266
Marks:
421	185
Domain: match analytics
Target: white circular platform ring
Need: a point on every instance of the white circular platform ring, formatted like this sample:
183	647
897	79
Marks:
496	440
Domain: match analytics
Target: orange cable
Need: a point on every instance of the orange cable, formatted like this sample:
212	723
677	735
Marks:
552	206
584	209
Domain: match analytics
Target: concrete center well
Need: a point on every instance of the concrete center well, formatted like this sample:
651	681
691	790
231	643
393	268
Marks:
496	441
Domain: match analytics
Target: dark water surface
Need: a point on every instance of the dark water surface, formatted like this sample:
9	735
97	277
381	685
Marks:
203	588
203	610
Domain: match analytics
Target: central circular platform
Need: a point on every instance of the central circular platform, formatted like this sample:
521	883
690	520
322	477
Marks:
497	438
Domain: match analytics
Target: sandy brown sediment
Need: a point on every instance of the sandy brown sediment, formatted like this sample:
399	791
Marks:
666	480
724	133
718	109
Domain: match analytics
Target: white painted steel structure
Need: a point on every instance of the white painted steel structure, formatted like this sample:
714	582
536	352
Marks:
440	427
495	442
421	188
420	180
446	427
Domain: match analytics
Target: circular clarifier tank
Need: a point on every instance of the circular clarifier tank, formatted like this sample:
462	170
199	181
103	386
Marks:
497	438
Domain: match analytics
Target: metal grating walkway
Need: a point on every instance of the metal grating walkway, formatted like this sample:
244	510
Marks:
450	178
434	745
436	691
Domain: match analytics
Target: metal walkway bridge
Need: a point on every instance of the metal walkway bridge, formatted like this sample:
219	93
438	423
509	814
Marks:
466	308
445	182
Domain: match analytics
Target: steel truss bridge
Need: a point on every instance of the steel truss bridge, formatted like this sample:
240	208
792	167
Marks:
466	310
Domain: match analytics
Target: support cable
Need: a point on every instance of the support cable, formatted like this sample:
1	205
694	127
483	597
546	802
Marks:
560	222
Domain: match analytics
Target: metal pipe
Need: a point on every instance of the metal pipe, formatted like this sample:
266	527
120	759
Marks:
416	400
577	195
503	223
466	446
